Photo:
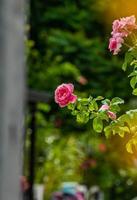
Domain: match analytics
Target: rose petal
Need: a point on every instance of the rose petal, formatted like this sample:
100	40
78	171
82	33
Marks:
73	98
70	86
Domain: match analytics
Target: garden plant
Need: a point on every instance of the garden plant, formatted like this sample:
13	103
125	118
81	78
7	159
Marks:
104	112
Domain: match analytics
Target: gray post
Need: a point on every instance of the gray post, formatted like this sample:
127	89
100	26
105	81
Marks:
11	97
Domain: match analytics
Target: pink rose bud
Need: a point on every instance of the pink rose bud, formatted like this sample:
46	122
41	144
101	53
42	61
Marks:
111	115
64	94
104	107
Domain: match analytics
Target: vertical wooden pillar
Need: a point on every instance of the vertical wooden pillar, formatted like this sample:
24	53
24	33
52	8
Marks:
11	97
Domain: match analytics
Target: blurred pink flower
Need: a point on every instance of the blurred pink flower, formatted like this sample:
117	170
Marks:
64	94
82	80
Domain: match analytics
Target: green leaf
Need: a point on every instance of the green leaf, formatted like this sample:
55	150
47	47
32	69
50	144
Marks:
115	108
106	101
82	117
71	106
134	73
133	81
128	59
107	131
134	91
125	129
124	66
103	115
93	105
74	112
97	124
93	115
117	100
99	98
84	101
129	147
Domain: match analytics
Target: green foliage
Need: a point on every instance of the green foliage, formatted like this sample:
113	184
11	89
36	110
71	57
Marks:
67	41
87	108
98	124
131	61
125	124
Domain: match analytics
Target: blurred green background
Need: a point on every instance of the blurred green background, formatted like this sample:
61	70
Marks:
68	42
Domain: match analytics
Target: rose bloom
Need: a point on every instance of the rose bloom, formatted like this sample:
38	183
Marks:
121	28
124	26
64	94
115	43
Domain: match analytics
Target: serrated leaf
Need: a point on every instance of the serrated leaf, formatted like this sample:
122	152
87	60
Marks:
97	124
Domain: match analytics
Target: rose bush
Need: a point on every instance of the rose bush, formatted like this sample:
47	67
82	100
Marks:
100	109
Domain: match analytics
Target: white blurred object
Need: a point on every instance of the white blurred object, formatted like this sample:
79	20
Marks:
82	189
95	193
38	192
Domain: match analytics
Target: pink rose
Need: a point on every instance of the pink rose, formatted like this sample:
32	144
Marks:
121	28
111	115
64	94
124	26
115	43
104	107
